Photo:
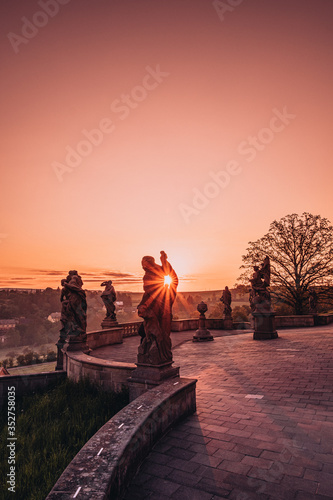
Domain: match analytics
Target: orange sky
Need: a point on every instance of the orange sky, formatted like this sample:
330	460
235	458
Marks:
211	125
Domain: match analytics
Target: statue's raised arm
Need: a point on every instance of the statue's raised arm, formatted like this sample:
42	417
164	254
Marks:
169	271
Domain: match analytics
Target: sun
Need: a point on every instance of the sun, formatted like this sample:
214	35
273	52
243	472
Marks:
167	280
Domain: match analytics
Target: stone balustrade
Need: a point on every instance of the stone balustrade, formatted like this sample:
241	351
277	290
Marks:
130	329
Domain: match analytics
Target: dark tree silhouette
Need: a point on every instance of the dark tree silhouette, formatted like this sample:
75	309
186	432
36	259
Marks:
300	248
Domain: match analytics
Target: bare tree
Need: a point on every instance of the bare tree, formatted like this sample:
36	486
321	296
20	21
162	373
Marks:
300	248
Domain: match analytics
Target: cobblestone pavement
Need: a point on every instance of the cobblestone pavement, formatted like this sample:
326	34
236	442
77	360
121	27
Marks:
263	427
128	350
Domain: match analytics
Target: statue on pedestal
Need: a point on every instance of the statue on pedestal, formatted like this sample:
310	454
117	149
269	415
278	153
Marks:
260	302
73	313
109	297
76	307
226	300
156	310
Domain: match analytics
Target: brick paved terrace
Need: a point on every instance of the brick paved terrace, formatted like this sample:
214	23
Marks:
263	427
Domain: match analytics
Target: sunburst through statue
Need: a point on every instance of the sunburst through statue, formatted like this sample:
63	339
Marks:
167	280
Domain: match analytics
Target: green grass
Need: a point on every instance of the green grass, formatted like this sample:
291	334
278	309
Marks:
38	368
51	428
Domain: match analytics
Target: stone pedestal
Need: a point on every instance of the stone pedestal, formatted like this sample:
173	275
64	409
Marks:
202	334
109	323
264	326
145	377
227	323
60	357
76	344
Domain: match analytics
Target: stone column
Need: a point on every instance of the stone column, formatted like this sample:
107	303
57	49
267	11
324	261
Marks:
202	334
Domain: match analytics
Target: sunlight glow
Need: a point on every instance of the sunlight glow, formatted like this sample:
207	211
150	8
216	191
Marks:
167	280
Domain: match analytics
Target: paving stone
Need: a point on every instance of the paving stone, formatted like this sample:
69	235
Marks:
163	486
204	459
257	462
236	467
214	487
155	469
186	493
184	478
185	465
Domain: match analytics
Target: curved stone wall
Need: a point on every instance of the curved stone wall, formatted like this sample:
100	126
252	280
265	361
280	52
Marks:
106	463
110	375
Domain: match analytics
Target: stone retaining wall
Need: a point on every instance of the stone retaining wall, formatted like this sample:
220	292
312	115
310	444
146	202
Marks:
294	321
27	384
323	319
107	462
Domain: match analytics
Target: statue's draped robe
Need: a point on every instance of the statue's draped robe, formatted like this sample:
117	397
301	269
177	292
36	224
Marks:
76	308
155	308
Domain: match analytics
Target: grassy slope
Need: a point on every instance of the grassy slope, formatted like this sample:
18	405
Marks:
51	428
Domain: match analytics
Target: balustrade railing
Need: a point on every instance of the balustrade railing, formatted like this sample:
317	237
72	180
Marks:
130	329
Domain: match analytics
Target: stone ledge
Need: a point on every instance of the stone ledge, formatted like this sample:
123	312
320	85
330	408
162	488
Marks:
85	359
108	461
111	375
107	336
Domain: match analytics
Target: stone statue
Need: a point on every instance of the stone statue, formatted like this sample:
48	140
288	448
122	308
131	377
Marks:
260	303
226	300
65	317
109	297
74	311
73	314
260	297
156	310
266	271
313	301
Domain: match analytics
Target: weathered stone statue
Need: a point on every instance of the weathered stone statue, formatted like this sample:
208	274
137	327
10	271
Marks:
260	302
76	309
109	297
154	364
73	313
260	297
227	317
65	314
156	310
313	301
226	300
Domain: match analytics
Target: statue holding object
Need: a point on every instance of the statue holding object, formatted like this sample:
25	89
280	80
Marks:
156	310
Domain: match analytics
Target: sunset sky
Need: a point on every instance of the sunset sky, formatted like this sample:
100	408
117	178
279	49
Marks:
134	126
